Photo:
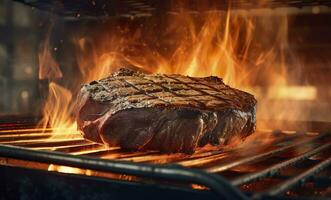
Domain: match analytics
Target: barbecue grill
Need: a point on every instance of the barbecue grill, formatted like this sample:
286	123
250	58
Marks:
296	164
285	159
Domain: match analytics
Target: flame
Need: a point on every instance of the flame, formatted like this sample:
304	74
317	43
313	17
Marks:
56	111
225	45
244	50
48	67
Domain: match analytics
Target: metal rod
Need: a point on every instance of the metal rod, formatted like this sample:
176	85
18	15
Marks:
173	173
258	157
212	156
275	168
69	148
33	137
301	178
48	142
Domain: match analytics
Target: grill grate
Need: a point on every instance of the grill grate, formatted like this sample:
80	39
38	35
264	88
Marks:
146	8
292	165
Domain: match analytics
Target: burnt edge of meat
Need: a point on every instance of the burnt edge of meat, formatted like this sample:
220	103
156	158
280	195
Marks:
169	113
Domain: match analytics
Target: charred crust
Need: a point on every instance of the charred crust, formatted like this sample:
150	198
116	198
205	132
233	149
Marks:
125	72
179	112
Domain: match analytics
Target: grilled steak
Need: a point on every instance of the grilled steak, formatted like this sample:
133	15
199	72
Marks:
169	113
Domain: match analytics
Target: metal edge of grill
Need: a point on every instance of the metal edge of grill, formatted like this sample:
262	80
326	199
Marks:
102	9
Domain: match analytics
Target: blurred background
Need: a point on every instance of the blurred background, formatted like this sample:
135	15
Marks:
19	32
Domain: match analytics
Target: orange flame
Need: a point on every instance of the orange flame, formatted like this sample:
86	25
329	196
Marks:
243	50
48	67
57	109
224	46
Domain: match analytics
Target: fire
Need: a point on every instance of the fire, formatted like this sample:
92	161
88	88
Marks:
293	92
48	67
231	46
211	50
57	111
206	57
242	49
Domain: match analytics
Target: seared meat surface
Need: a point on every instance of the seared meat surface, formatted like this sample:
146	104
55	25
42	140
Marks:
169	113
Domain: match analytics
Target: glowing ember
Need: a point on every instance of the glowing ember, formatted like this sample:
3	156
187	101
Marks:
69	170
293	92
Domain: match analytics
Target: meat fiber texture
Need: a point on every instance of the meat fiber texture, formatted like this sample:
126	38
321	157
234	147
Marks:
168	113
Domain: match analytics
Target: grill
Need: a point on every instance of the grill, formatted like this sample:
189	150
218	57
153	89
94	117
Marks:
146	8
292	164
283	159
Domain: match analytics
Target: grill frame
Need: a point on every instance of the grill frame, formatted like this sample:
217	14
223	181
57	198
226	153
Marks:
173	173
161	175
100	9
71	186
16	173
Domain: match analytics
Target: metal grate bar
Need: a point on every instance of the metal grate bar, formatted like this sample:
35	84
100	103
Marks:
51	143
70	148
175	173
33	136
275	161
265	155
301	178
276	168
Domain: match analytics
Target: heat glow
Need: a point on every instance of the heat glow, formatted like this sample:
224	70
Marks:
244	50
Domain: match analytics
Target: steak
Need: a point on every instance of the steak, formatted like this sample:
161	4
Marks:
168	113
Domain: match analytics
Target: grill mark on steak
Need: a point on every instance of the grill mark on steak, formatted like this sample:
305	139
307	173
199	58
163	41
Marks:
141	91
169	113
226	88
201	104
201	91
144	92
221	91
